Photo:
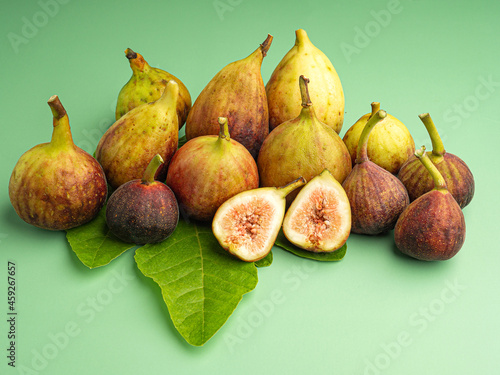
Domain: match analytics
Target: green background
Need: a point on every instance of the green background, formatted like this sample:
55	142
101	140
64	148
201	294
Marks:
374	312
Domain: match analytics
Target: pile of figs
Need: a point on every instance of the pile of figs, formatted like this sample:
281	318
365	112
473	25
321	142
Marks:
257	159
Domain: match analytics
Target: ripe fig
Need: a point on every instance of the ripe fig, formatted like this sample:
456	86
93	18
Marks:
146	86
319	218
284	97
237	92
247	224
376	196
457	175
208	170
57	185
303	147
144	210
128	146
390	144
432	227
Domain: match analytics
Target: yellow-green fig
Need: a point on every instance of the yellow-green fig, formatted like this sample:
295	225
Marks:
283	95
390	144
146	85
57	185
128	146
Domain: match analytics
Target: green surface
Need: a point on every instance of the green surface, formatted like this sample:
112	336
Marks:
375	311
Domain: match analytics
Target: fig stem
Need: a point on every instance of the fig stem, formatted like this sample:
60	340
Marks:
61	134
362	152
150	172
224	129
437	143
300	36
288	188
264	47
375	108
304	92
137	62
439	182
170	93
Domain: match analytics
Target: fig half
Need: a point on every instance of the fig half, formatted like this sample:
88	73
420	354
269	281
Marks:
319	218
247	224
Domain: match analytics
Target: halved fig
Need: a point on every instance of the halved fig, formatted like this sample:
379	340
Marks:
319	219
247	224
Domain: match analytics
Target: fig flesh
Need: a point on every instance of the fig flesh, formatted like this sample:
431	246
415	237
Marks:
319	218
146	86
390	144
57	185
456	173
208	170
247	224
144	210
432	227
376	196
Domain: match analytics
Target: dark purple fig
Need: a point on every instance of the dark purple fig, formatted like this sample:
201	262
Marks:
433	226
376	196
143	211
456	173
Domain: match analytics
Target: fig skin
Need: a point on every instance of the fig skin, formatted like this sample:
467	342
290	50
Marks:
390	144
237	92
57	185
376	196
127	147
143	211
432	227
457	175
208	170
284	96
146	86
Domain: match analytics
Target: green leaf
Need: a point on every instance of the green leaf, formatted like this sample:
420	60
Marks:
93	243
201	283
182	141
281	241
266	261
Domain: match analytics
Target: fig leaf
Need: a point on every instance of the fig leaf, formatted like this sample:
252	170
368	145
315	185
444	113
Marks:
200	282
94	244
282	242
266	261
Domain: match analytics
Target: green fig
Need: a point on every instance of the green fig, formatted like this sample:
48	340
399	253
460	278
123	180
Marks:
237	92
208	170
247	224
432	227
390	144
456	173
128	146
57	185
376	196
146	85
303	147
284	96
144	210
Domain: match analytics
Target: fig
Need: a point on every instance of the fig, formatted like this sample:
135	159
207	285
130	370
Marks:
457	175
146	86
247	224
303	147
390	144
143	211
208	170
319	218
284	97
57	185
237	92
128	146
376	196
432	227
